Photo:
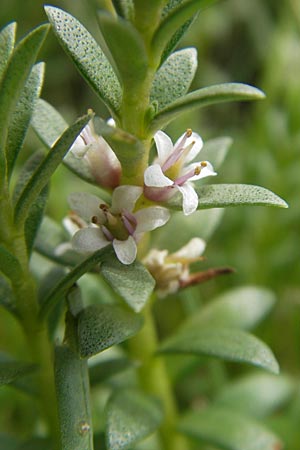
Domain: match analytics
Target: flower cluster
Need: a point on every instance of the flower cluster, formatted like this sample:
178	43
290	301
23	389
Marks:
118	224
96	224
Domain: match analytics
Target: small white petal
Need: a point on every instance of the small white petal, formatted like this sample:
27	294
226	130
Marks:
206	171
150	218
197	146
111	122
189	198
86	205
88	240
164	146
125	250
125	197
194	248
154	177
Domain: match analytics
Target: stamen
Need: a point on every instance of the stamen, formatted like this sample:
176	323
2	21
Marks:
181	180
129	221
178	151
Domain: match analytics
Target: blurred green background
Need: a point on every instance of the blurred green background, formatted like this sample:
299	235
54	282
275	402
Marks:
255	42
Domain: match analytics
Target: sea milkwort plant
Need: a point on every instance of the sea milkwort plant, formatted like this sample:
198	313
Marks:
85	295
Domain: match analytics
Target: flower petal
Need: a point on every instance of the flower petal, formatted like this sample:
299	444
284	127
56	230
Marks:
86	205
150	218
164	146
197	142
124	198
193	249
206	171
88	240
189	198
125	250
155	177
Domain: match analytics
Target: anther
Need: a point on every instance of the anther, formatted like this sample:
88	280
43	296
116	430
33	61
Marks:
197	170
203	164
189	132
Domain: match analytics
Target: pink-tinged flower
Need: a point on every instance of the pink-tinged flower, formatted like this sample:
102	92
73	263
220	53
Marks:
117	224
171	271
173	170
103	164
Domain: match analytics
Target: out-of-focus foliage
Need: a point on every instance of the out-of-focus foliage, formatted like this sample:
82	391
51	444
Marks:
255	42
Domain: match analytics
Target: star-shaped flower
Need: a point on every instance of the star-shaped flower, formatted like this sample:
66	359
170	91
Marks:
117	224
173	169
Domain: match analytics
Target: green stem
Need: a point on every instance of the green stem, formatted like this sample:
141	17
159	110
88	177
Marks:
154	379
36	334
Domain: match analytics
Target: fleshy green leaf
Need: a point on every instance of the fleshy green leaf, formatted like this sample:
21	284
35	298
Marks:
131	416
203	97
132	282
224	195
228	430
173	21
49	125
47	167
16	74
101	326
258	395
174	77
87	56
7	42
21	116
225	343
37	209
126	47
11	370
61	289
240	308
72	388
103	370
49	237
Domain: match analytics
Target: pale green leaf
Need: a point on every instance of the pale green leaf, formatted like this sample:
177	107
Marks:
174	20
228	430
87	56
203	97
226	343
242	308
224	195
132	282
59	291
258	394
72	389
174	77
49	238
7	42
36	211
131	416
48	124
46	168
126	47
101	326
21	116
16	74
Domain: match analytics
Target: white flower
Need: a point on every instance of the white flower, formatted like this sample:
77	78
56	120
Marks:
118	224
173	169
171	271
103	164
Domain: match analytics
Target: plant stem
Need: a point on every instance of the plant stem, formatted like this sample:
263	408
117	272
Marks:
154	380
